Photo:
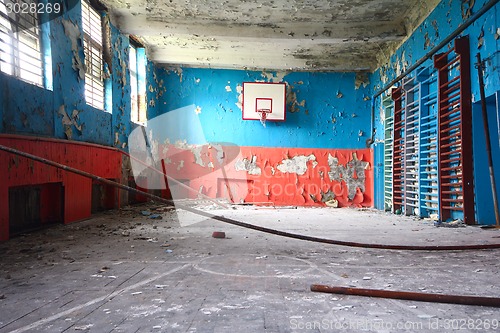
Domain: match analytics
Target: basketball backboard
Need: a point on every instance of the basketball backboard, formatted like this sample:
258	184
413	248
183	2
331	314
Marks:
264	97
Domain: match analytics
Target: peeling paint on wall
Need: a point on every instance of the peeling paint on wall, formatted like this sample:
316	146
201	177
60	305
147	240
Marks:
291	100
239	90
123	65
249	166
362	79
327	196
274	76
427	41
353	174
480	39
307	124
434	24
179	72
220	153
196	150
73	32
68	122
296	164
467	6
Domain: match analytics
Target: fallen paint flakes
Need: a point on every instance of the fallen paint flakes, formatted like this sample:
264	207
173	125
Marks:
175	308
342	307
424	316
235	307
209	311
160	286
83	327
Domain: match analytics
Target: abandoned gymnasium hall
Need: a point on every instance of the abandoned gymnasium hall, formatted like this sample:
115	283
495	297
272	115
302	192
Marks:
249	166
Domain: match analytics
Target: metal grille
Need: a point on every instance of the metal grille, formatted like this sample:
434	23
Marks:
20	54
92	44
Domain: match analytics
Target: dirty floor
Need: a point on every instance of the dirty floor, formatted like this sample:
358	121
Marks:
124	271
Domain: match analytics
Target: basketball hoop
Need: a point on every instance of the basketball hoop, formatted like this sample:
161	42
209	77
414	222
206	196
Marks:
263	115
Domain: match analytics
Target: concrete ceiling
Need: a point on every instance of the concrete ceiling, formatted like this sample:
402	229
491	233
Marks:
308	35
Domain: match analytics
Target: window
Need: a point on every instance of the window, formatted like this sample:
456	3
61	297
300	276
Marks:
20	53
92	45
137	66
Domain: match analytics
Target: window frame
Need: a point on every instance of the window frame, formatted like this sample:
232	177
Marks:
137	75
93	48
22	57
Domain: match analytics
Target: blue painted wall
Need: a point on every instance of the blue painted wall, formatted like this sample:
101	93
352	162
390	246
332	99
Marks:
29	109
447	17
154	91
328	111
484	195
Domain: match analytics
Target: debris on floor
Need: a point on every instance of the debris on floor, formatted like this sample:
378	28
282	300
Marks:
219	234
183	272
452	224
332	203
